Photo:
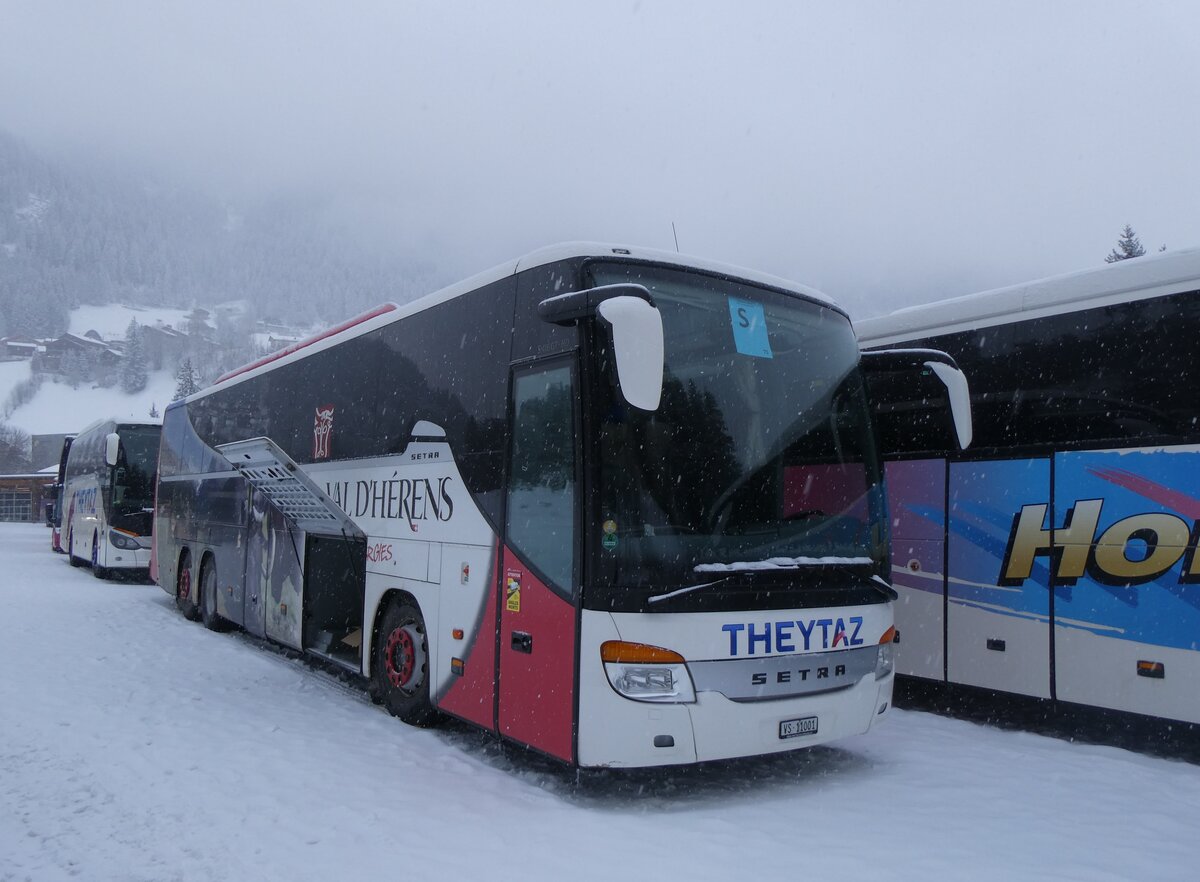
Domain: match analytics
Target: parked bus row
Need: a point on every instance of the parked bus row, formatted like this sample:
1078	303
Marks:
628	509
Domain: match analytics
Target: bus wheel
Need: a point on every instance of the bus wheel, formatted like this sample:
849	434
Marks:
400	673
208	596
98	571
75	561
184	596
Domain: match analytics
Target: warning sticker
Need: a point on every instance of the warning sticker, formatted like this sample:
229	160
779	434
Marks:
512	592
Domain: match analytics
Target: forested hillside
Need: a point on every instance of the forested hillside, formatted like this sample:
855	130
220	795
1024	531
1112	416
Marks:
73	233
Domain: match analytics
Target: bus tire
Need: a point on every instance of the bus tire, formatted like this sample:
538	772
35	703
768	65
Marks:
400	673
185	594
75	561
98	571
208	597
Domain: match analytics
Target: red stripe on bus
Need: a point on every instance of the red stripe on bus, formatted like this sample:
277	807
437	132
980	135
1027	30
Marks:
296	347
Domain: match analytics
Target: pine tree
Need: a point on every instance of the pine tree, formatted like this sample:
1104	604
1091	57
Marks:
134	373
1127	246
185	380
153	411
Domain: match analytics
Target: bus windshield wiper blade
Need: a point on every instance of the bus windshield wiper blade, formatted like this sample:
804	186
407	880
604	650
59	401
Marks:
779	563
687	589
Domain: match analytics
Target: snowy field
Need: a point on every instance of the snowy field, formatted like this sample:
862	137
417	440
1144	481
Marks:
135	745
112	320
57	408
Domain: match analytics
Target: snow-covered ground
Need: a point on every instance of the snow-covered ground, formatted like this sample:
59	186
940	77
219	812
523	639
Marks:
135	745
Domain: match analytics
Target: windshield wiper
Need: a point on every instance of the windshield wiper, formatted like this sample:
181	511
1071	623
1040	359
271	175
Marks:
687	589
779	563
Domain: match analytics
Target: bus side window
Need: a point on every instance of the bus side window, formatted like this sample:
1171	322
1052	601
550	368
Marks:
541	493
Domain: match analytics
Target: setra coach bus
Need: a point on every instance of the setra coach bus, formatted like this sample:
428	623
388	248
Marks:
1057	559
108	478
618	506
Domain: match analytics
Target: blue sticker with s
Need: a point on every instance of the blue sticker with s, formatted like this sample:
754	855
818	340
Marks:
749	328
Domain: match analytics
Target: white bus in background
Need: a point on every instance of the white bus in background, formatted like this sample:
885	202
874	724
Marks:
619	506
1057	559
108	496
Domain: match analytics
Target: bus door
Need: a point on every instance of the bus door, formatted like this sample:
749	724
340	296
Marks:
540	560
917	503
998	610
1127	580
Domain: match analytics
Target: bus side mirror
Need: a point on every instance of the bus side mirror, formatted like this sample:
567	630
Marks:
635	327
903	382
112	446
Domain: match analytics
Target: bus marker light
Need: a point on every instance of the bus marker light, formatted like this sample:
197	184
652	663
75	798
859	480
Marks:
1153	670
457	633
456	666
886	658
637	653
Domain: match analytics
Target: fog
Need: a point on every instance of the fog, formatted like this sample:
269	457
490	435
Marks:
887	153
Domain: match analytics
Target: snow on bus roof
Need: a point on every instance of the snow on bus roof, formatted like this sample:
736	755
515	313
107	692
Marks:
388	313
1140	278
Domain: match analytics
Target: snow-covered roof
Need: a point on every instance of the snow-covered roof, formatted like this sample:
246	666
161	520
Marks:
388	313
1158	275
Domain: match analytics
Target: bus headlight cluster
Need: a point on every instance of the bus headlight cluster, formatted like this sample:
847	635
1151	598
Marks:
647	673
123	540
885	660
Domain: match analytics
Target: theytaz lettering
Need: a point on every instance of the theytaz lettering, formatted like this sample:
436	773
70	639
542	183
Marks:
409	499
793	636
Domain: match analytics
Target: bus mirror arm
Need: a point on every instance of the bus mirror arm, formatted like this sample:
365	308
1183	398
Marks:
112	447
943	367
636	331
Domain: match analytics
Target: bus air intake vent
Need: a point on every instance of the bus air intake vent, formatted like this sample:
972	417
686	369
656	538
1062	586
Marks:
297	497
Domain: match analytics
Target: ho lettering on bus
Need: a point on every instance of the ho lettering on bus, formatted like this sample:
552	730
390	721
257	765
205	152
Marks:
1079	548
409	499
796	635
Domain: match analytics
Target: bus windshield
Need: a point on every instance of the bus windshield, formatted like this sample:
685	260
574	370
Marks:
757	473
133	476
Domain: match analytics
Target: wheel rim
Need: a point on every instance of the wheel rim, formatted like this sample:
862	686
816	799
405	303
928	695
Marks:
185	583
404	657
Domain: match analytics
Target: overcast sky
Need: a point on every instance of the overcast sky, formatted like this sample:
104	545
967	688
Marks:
887	153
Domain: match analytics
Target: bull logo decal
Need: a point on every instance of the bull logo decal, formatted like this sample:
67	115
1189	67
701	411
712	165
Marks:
322	431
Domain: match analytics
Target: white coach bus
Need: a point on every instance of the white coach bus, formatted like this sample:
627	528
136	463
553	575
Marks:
108	496
616	505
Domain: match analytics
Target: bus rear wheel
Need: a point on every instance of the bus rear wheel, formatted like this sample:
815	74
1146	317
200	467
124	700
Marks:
400	673
185	599
208	596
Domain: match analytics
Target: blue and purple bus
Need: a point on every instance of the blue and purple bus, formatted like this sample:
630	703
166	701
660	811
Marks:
1057	557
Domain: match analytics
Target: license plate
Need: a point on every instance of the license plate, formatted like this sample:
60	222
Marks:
801	726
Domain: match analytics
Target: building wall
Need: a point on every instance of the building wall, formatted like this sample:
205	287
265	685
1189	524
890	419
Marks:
21	497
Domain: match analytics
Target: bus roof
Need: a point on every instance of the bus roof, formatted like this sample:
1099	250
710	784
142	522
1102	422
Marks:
113	421
387	313
1155	275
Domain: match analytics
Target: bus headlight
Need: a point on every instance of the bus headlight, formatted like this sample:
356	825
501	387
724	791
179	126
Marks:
122	540
647	673
885	660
